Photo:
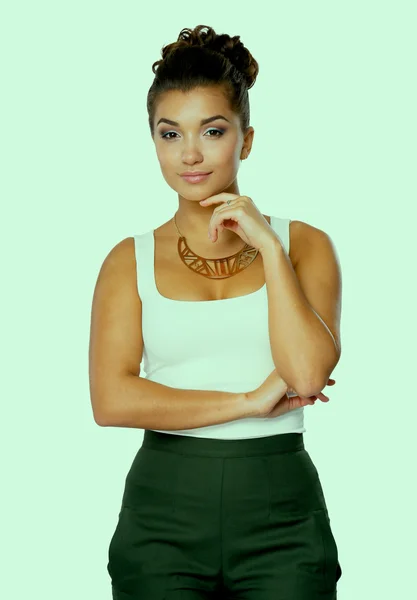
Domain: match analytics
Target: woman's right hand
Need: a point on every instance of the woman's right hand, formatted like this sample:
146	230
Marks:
270	398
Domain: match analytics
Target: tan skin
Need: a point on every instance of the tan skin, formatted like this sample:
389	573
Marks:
191	147
217	147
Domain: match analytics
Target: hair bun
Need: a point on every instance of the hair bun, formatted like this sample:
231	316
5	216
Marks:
230	47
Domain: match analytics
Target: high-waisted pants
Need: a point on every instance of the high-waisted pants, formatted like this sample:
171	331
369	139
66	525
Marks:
205	518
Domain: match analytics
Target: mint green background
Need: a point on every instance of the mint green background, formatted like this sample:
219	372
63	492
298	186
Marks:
334	112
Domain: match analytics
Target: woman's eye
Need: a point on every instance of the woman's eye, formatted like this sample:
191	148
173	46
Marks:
165	135
217	131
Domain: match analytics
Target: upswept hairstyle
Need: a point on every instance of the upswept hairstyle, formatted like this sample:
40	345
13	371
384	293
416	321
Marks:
200	58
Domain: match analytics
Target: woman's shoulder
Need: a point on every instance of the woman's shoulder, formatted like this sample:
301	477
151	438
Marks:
304	236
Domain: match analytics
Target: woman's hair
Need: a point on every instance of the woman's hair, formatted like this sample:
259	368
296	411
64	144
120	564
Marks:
200	58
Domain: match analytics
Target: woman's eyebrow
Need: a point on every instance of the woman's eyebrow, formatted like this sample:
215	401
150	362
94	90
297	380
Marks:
202	122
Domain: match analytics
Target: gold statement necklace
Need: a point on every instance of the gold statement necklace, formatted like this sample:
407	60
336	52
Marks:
215	268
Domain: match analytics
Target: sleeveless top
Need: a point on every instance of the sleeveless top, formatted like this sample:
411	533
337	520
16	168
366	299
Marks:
220	345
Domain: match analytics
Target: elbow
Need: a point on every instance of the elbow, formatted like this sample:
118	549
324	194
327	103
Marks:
312	389
100	412
100	420
106	417
307	387
315	385
305	390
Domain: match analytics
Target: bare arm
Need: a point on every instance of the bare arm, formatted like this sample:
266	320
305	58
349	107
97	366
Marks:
146	404
119	397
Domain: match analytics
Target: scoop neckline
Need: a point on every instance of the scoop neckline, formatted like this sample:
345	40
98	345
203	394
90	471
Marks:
194	301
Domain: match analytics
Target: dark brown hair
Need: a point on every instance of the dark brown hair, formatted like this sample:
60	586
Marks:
200	58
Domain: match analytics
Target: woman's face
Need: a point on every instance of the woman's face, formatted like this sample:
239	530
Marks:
214	147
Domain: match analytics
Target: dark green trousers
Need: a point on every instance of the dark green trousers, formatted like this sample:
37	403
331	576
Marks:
223	519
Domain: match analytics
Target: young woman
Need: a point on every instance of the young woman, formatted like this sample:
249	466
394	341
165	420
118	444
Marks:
236	315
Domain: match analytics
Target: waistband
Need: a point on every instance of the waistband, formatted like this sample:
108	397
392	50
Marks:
192	445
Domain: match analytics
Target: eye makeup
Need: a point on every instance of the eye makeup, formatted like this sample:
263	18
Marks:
219	132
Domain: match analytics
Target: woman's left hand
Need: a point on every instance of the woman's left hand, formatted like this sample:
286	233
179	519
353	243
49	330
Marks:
241	216
288	403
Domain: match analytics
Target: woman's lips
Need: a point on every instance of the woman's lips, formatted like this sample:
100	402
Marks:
195	178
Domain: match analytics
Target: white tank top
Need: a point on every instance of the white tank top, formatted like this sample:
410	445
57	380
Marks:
220	345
